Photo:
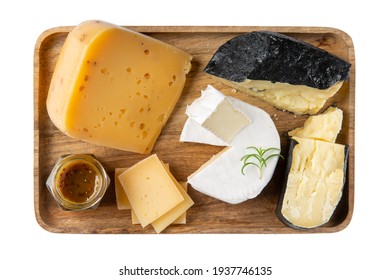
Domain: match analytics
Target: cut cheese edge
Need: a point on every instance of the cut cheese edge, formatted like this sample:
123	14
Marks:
315	182
115	87
298	99
325	126
150	190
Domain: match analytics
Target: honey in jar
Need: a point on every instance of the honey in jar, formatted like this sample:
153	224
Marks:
78	182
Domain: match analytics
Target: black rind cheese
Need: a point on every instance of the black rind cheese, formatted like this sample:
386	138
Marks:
275	57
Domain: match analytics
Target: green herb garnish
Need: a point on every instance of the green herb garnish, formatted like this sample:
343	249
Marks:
259	157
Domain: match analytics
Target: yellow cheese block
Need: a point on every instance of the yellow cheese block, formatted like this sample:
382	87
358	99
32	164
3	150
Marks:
182	219
150	189
115	87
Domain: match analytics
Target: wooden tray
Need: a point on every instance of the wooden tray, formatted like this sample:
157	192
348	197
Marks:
208	215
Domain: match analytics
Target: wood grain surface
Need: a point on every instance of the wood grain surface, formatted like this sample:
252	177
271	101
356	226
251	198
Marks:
208	215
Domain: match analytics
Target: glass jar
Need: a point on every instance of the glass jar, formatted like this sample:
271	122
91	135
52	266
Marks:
78	182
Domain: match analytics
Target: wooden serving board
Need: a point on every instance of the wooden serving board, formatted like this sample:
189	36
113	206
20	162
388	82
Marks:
208	215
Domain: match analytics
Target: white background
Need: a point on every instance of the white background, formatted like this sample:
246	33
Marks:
361	250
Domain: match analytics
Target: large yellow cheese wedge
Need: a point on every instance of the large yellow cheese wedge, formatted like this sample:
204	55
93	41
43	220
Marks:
115	87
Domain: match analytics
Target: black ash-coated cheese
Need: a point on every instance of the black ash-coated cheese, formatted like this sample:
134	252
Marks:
275	57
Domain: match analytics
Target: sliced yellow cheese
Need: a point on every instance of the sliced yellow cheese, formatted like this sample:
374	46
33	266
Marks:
325	126
122	202
150	189
168	218
182	219
115	87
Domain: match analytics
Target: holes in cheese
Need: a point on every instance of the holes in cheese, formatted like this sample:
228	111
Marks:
111	86
154	195
123	202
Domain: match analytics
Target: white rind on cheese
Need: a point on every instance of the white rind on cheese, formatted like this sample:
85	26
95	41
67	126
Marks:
221	176
216	113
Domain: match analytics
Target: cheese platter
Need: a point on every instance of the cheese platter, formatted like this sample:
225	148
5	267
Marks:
207	214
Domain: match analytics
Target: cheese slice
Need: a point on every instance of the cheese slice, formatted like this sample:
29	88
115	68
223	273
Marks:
115	87
122	202
221	176
172	215
182	219
325	126
315	182
216	113
150	190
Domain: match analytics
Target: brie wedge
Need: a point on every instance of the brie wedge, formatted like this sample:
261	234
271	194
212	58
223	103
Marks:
216	113
221	176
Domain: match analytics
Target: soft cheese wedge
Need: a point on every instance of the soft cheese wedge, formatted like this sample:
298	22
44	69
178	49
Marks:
115	87
216	113
221	176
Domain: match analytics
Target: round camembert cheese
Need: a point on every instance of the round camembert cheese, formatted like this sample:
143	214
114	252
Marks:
221	176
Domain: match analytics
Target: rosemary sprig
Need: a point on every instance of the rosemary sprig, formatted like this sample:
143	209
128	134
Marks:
259	156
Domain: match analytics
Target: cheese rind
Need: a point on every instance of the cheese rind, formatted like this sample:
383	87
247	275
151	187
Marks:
315	182
115	87
217	113
290	74
150	190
